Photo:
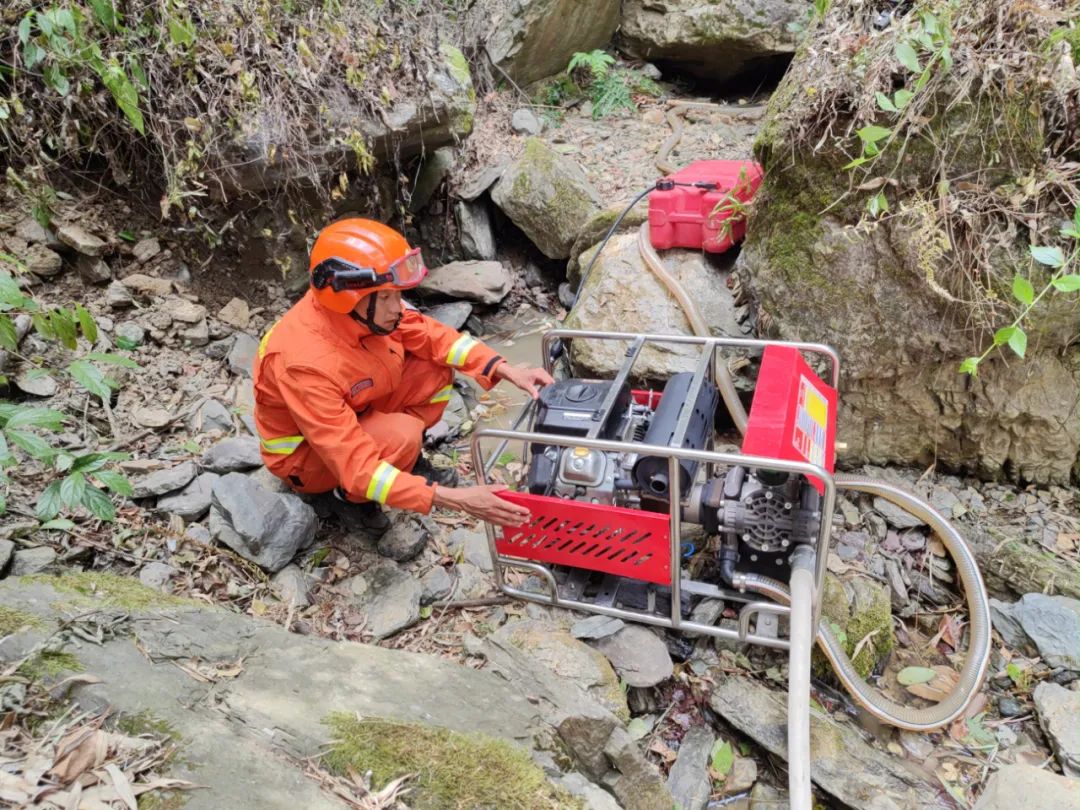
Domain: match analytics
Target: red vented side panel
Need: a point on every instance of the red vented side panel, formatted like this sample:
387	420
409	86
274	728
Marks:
793	415
611	539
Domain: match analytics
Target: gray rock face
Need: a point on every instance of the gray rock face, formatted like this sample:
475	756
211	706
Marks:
1051	623
291	586
435	585
1059	715
191	502
525	122
718	39
609	303
232	454
474	230
42	262
477	551
483	282
432	173
638	655
453	314
388	596
156	575
532	39
842	763
895	515
212	415
261	526
689	780
1015	786
164	481
407	536
31	560
242	354
7	547
548	196
597	627
80	240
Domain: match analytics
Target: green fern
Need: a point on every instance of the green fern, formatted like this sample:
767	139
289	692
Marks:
596	63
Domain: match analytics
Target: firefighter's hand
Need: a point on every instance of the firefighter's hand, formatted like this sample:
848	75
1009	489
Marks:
529	380
482	502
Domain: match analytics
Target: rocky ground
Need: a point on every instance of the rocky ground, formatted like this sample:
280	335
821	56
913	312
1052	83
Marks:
637	712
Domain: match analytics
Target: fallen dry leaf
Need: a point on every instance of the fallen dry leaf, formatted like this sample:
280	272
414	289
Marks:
86	749
122	785
938	689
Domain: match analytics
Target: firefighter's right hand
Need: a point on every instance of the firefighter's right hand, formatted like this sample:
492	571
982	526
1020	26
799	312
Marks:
482	502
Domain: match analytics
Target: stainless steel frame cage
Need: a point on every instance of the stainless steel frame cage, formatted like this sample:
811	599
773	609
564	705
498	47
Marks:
703	370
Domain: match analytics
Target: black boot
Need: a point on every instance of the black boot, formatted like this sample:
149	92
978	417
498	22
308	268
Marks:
366	518
434	475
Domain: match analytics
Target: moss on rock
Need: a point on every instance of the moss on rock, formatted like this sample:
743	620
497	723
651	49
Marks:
861	620
452	770
112	590
12	621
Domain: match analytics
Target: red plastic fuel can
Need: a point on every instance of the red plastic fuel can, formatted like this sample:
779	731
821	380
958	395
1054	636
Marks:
693	217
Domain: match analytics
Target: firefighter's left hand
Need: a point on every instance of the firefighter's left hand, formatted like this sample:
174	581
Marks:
529	380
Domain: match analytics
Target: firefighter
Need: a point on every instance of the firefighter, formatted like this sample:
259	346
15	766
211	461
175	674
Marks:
350	377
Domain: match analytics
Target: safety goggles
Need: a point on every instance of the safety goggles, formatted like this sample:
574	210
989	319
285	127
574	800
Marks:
339	275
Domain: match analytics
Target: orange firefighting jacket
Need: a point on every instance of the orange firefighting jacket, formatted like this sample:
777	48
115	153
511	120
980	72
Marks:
317	370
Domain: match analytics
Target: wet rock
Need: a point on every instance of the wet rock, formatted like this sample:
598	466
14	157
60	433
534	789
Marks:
432	173
525	122
1059	711
596	627
483	282
476	551
608	303
156	575
232	454
117	296
474	230
191	502
291	586
435	585
212	415
41	261
573	660
453	314
150	286
639	656
145	249
31	560
548	196
895	515
242	354
236	313
7	548
407	536
80	240
36	384
131	332
164	481
688	779
1051	623
1014	786
266	528
717	40
388	596
842	763
531	40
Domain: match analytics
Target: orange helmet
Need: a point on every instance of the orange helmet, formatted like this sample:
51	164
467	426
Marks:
352	258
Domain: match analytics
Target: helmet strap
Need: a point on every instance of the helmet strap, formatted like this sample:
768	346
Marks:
368	320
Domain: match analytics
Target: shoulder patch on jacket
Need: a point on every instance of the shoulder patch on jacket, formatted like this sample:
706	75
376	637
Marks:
360	386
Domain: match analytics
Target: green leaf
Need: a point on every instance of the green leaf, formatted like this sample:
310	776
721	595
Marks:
723	757
1018	341
1002	336
877	205
48	502
92	462
8	335
89	377
71	490
182	32
1023	291
3	503
902	97
1014	672
63	324
99	504
907	57
859	161
55	78
125	343
115	482
909	676
873	133
60	525
425	612
1068	283
36	417
124	93
42	326
24	29
113	359
127	235
1050	256
63	461
31	443
10	294
86	323
884	102
104	13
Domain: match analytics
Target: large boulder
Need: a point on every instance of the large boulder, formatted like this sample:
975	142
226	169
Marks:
532	39
265	527
623	295
718	39
905	298
1017	786
483	282
548	196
